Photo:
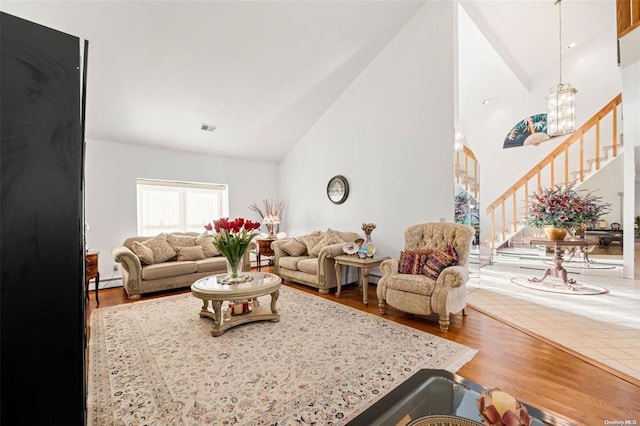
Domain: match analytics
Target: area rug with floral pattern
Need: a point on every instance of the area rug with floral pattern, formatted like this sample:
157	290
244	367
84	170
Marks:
155	363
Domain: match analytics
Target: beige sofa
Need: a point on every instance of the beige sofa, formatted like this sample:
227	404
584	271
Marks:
308	259
419	292
176	260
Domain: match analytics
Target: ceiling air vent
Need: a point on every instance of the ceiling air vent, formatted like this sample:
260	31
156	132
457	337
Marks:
208	127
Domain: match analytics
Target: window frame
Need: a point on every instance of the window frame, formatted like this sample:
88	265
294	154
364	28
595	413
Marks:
182	190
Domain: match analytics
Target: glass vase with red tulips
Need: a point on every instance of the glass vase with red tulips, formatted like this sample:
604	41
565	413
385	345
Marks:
232	239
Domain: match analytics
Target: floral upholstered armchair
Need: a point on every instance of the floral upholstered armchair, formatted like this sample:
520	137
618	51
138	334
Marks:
433	273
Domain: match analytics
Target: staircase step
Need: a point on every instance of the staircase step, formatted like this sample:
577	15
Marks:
607	148
519	251
461	175
576	175
461	179
593	160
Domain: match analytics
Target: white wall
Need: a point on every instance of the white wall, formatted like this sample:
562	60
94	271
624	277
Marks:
390	135
111	170
608	183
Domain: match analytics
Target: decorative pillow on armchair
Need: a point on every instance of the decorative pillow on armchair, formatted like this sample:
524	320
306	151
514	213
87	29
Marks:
438	260
412	261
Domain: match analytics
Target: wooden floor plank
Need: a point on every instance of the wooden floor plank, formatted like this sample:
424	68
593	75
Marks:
536	372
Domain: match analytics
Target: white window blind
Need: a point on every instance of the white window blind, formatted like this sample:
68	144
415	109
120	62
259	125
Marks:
168	206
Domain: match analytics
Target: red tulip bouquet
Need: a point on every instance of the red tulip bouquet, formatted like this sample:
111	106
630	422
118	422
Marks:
232	239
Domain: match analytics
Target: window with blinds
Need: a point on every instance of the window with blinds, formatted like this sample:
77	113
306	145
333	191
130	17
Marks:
168	206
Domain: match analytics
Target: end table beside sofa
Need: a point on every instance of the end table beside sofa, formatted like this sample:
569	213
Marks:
363	266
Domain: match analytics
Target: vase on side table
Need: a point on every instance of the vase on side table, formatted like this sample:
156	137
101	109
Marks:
555	234
368	247
272	228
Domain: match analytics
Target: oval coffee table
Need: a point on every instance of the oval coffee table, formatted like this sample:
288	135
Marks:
214	292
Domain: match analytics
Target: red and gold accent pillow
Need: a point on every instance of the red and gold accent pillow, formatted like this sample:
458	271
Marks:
412	261
438	260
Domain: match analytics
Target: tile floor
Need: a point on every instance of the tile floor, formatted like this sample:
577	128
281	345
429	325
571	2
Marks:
605	328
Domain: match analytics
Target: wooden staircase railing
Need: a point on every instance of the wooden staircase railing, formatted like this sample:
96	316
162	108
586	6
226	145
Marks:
466	172
554	169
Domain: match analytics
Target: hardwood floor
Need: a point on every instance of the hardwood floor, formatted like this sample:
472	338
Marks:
531	370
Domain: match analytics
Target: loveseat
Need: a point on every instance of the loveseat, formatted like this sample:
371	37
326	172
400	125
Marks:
308	259
168	261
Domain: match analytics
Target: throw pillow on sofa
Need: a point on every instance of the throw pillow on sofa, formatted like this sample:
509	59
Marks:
311	240
190	253
206	241
161	249
330	237
294	248
144	253
176	241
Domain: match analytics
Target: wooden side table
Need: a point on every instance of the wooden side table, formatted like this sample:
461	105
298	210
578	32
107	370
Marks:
363	266
264	249
91	272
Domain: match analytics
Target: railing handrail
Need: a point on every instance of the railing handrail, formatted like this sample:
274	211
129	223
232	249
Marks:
474	187
555	153
468	151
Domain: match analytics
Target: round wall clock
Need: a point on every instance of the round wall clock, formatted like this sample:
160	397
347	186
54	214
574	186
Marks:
338	189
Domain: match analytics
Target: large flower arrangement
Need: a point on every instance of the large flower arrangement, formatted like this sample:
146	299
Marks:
232	239
565	207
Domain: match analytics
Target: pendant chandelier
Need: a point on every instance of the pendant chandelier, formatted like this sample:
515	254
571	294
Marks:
561	114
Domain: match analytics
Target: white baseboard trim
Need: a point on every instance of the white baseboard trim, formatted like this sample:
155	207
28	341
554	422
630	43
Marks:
108	283
373	279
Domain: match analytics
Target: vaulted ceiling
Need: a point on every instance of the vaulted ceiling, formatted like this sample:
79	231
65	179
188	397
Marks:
263	72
